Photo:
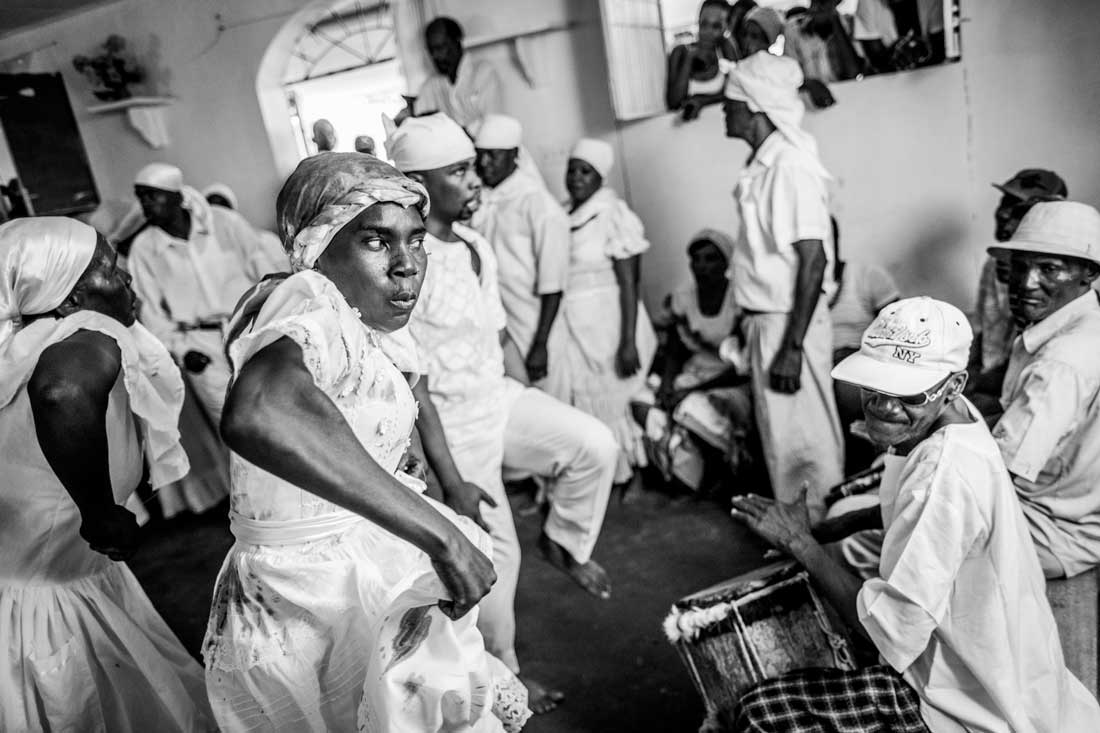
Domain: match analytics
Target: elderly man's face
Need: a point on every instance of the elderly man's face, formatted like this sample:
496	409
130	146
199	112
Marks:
738	118
158	205
903	421
1040	284
445	51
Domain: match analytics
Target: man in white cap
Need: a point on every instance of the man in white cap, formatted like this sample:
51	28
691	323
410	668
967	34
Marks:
784	250
529	232
463	89
190	267
958	610
477	416
1049	432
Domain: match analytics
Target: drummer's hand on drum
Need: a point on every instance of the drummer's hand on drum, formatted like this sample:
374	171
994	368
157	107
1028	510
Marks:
786	526
466	573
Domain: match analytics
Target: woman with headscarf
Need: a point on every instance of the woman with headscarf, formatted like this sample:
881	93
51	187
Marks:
84	392
697	71
610	341
349	597
704	405
758	32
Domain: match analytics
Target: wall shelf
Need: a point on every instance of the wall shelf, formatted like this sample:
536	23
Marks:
145	114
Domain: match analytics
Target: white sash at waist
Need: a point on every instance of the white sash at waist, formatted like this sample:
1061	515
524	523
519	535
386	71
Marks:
289	531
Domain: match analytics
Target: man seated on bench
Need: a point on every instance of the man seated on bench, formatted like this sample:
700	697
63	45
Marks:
957	611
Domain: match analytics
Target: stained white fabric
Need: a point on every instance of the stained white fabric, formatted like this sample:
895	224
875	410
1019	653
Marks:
799	433
498	132
322	620
427	143
583	374
781	199
596	153
84	647
492	423
41	259
863	291
475	93
960	608
1049	434
164	176
529	232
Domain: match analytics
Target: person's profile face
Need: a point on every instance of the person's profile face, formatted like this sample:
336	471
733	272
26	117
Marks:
454	190
444	51
708	264
1039	284
158	206
738	118
753	39
377	261
1010	212
495	165
581	180
712	24
105	287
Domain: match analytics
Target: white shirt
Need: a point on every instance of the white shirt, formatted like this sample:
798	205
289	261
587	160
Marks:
474	94
529	231
960	609
197	279
782	199
874	20
864	291
1050	431
456	330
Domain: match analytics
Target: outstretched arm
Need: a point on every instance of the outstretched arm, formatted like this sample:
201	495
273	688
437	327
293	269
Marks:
278	419
69	391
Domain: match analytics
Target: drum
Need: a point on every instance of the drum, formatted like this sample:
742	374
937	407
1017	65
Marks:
754	627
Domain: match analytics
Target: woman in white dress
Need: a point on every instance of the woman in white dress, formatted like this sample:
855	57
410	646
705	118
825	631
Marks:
83	389
610	342
349	598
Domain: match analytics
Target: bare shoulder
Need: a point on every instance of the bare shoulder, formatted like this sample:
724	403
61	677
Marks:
88	360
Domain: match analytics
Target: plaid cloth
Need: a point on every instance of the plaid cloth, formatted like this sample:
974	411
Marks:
870	700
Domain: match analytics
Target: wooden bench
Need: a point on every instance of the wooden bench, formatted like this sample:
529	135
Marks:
1076	605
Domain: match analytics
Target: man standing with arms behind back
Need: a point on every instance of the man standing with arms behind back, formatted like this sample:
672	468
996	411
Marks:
463	89
779	267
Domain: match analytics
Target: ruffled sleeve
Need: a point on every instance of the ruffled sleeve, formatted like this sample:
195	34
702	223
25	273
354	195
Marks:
625	233
309	310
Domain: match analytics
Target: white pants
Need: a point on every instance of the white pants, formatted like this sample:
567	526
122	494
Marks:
540	436
800	433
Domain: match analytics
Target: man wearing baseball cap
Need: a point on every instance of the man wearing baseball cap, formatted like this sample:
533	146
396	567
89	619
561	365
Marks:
996	326
1049	433
958	611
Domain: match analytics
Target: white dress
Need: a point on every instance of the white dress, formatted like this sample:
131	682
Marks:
604	229
322	620
84	648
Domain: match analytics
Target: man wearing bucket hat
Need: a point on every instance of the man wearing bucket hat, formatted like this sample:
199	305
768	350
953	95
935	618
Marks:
1049	433
958	611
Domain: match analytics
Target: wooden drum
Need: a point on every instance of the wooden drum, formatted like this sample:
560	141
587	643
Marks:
754	627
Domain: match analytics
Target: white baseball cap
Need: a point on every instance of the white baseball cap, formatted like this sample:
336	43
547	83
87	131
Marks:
913	345
1061	228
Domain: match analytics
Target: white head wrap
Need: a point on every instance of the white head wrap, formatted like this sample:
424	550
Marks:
499	132
42	258
596	153
720	239
426	143
160	175
770	84
221	189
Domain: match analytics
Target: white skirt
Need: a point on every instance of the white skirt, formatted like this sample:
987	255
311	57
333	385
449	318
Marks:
92	654
332	624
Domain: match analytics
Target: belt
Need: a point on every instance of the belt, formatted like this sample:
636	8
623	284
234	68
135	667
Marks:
290	531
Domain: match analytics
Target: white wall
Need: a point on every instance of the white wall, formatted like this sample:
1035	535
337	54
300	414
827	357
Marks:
913	153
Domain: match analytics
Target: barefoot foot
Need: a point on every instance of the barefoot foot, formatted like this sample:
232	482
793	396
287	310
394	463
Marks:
589	575
540	698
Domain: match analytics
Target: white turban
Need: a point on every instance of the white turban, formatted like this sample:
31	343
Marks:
221	189
160	175
596	153
770	84
42	258
499	132
426	143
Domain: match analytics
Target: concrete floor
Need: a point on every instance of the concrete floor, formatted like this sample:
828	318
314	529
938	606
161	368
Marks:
609	657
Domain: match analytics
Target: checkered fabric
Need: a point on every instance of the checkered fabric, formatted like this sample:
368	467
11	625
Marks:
870	700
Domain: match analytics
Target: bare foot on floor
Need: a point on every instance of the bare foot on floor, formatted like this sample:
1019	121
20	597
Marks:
589	575
540	698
